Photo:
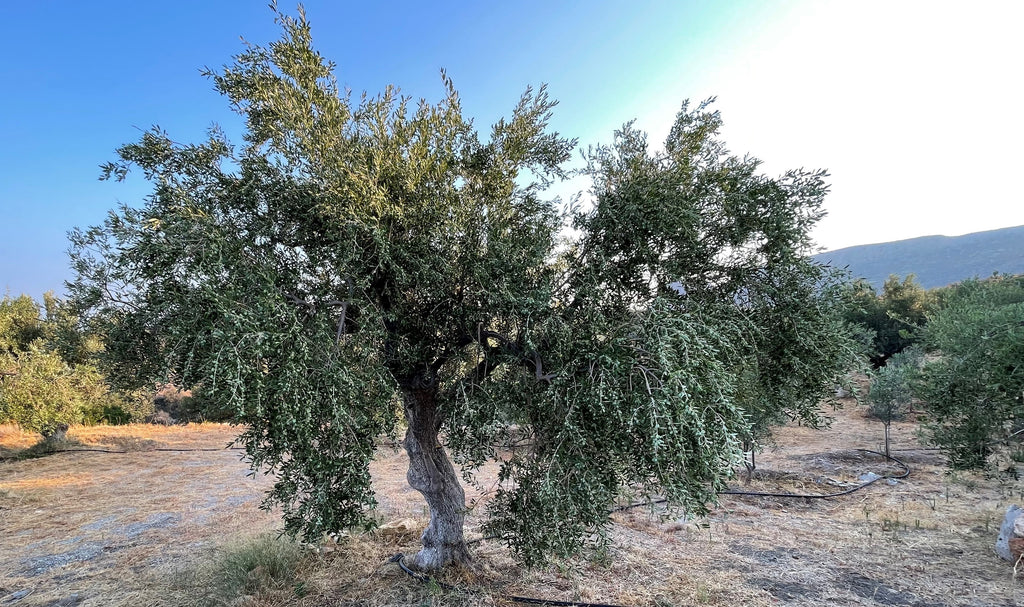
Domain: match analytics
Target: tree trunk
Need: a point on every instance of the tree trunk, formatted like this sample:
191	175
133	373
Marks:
432	474
750	464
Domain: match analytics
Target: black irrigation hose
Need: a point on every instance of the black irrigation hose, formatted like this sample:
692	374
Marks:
426	579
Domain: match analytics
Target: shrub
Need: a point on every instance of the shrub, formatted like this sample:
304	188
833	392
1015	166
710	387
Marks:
120	408
47	379
45	392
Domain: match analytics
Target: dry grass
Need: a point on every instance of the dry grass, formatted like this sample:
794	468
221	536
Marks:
151	528
13	440
102	528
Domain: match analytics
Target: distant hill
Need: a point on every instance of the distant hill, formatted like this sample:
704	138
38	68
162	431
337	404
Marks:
936	260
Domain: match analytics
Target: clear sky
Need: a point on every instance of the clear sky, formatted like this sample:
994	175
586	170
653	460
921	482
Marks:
913	107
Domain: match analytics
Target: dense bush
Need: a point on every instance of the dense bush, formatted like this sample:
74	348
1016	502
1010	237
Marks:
46	379
973	389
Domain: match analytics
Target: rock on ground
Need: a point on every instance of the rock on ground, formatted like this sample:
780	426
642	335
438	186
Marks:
1007	532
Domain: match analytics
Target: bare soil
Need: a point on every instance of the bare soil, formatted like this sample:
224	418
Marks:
125	529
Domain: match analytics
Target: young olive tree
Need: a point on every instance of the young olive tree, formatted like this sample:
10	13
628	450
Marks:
357	264
889	395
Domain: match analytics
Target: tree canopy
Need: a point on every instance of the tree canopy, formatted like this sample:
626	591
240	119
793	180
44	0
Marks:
360	265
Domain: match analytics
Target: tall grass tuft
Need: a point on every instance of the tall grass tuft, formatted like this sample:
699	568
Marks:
264	563
263	567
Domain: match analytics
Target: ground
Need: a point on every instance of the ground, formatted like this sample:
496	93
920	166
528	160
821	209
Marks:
132	529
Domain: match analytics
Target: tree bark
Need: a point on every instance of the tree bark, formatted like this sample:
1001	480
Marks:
432	474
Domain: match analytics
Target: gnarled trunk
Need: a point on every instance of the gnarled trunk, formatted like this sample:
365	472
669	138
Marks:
432	474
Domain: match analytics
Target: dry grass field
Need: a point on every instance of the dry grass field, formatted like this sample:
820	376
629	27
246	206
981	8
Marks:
155	528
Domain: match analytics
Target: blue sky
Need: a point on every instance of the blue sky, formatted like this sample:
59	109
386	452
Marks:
912	106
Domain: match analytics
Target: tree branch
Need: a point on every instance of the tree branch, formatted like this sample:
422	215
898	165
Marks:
539	368
531	359
344	314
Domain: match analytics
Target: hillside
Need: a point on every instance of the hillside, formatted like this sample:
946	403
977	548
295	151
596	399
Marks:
936	260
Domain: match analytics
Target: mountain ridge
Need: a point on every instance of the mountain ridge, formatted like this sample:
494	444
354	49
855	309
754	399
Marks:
936	260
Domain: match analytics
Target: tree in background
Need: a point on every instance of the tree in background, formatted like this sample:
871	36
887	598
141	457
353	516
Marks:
893	317
46	379
20	325
355	265
974	389
46	395
890	393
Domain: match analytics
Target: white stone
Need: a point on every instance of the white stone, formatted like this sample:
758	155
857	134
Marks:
1006	531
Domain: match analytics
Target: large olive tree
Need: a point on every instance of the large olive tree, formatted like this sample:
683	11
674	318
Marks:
358	265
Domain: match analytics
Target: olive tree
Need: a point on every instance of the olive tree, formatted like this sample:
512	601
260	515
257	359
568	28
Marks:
356	266
894	317
889	396
973	386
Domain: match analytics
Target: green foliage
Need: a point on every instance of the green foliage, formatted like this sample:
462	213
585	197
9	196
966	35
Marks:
47	392
889	395
20	325
64	334
352	261
893	318
119	407
45	379
974	389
